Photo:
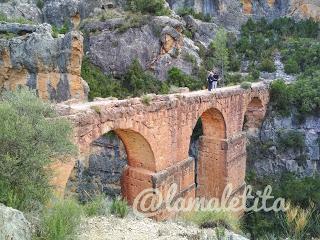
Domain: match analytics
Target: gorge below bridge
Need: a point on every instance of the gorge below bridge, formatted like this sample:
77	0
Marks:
156	137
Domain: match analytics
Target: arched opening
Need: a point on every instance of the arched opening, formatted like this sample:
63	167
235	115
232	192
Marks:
206	147
120	163
253	116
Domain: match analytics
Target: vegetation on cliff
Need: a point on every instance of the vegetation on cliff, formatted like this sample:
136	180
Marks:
302	95
297	42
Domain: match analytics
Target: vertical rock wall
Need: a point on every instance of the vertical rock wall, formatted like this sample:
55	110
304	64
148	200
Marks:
51	66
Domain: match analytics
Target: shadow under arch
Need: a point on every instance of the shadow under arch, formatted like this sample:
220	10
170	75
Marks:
206	146
120	162
253	116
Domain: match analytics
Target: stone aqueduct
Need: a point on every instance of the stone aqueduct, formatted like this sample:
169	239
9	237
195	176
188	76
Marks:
157	137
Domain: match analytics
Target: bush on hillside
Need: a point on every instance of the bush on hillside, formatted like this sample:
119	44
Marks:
140	82
135	82
291	140
154	7
197	15
30	139
100	84
291	67
267	65
179	79
280	97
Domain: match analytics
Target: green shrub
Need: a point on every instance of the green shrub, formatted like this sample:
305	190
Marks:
40	4
154	7
135	82
291	140
197	15
140	82
21	20
305	94
233	79
255	74
246	85
178	78
212	219
97	206
3	17
267	65
291	67
146	99
63	30
134	21
189	58
119	208
100	84
60	222
280	97
30	140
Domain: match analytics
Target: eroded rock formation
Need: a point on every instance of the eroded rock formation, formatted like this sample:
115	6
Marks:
39	61
158	45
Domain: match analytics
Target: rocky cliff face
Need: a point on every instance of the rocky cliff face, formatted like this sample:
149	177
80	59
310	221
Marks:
233	13
50	65
301	155
158	44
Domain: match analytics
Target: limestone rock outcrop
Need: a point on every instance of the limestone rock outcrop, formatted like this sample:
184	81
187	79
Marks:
269	158
50	65
158	45
13	224
233	13
26	9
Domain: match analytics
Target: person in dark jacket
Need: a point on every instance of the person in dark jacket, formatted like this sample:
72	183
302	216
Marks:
210	81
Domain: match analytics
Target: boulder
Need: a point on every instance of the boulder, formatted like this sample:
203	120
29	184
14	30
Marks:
13	224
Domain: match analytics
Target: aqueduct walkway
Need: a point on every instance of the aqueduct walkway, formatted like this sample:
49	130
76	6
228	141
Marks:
157	137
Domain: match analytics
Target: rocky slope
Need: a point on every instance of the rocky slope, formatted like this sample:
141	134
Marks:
112	228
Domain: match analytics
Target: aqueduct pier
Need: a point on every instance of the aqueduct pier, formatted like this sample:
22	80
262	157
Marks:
157	137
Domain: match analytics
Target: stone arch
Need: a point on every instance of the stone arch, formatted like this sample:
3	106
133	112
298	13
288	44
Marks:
253	116
141	164
140	154
210	162
213	124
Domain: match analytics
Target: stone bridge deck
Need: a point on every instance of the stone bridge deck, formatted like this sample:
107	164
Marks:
157	135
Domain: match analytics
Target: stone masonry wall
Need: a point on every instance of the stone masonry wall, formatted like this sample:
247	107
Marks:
157	137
